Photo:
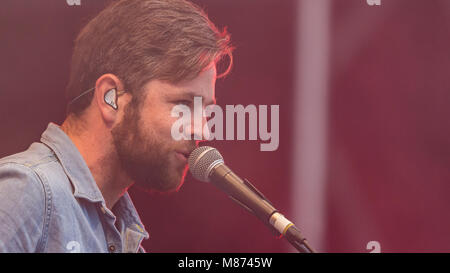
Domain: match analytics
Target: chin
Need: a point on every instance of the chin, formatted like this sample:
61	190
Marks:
170	181
171	185
178	180
177	183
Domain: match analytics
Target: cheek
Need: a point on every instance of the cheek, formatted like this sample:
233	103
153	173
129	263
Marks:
161	126
158	122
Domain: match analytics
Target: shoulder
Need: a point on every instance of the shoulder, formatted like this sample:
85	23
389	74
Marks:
36	154
18	176
23	201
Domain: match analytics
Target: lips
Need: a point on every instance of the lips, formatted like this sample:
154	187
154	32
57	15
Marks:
186	154
183	155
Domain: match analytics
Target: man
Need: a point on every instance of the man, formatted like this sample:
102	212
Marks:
131	65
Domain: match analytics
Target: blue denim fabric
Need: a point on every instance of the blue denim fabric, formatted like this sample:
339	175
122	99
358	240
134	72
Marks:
49	202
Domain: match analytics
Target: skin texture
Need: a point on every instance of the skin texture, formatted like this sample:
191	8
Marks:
133	144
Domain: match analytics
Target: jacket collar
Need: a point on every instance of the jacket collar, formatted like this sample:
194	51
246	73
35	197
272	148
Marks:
81	178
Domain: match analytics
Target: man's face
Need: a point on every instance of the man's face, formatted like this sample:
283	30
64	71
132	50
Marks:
143	140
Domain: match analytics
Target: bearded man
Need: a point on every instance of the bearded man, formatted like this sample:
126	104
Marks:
131	65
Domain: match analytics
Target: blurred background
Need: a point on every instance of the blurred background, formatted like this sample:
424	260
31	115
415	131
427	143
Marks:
364	96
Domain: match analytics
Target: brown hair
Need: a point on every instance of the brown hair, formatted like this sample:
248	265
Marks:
141	40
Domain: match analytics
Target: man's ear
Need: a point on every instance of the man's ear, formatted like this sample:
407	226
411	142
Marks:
106	97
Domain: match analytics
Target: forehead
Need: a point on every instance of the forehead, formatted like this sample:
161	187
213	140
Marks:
203	86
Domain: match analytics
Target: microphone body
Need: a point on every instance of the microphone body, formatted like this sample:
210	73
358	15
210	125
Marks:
226	180
206	164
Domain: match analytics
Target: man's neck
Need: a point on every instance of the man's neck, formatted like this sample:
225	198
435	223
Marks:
101	160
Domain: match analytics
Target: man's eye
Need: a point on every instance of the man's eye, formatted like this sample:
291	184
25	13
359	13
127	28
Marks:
184	102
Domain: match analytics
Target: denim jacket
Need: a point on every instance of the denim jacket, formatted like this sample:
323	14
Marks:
49	202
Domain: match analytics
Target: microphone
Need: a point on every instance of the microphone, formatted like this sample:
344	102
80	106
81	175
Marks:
206	164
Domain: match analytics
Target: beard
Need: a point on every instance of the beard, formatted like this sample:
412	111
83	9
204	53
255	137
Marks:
146	157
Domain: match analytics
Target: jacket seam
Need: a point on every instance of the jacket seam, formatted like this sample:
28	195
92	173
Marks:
42	244
30	164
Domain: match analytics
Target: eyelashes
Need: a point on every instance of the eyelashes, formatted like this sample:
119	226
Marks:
184	102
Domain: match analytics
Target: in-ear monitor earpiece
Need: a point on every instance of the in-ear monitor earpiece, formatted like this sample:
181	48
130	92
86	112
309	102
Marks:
111	98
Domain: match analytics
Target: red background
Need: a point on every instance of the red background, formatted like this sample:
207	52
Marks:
389	134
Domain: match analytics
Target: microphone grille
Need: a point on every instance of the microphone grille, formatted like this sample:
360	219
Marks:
202	160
